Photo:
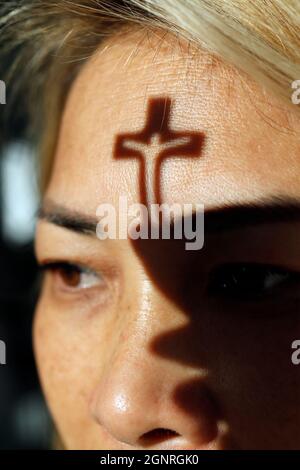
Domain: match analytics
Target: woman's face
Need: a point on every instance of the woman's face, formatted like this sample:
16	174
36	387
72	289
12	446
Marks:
143	343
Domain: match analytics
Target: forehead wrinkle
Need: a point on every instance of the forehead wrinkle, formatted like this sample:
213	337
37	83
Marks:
222	80
197	64
202	69
168	52
141	49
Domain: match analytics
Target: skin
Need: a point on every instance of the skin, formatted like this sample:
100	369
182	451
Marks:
145	347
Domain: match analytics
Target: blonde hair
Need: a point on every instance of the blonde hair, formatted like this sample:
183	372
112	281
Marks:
50	40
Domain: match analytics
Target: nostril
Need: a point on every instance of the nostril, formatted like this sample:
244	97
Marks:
157	435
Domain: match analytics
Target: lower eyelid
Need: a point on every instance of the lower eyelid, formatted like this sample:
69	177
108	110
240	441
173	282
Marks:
56	269
82	273
68	296
101	294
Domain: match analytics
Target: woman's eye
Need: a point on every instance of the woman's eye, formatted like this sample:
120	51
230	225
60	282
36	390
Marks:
73	276
249	281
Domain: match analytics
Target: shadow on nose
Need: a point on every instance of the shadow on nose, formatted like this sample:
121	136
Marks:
175	271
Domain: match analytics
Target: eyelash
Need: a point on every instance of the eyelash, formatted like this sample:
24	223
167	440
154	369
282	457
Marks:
243	282
64	269
249	281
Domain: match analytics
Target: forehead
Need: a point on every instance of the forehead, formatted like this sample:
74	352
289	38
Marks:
251	148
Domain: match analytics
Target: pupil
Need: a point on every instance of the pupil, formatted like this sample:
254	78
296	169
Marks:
70	276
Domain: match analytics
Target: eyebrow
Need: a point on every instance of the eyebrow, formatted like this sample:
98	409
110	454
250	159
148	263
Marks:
67	218
274	209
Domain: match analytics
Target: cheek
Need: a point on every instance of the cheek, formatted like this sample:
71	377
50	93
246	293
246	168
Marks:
260	388
65	369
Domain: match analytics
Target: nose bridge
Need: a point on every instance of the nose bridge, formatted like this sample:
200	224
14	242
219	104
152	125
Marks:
149	314
132	380
135	395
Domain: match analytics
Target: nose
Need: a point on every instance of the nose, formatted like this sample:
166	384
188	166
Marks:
143	400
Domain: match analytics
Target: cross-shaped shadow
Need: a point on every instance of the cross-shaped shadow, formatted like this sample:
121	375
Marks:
171	144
